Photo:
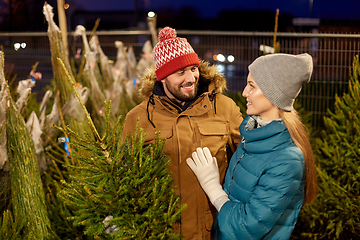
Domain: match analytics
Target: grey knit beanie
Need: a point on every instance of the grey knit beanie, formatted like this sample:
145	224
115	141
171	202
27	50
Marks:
280	76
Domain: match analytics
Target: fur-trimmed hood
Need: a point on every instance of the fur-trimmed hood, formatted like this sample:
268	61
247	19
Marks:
208	75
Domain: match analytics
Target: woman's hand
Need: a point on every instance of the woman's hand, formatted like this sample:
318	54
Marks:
206	170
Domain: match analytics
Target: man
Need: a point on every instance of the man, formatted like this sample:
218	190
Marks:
184	101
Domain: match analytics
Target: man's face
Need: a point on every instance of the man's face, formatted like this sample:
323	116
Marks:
182	85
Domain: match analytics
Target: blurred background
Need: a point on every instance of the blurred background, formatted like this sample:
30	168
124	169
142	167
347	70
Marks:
227	33
256	15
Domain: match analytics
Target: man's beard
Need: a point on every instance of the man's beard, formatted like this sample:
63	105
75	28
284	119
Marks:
176	92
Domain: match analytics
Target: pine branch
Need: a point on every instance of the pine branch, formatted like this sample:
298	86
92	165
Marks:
134	187
87	114
336	212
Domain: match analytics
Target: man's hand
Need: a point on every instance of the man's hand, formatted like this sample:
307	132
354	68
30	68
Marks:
207	172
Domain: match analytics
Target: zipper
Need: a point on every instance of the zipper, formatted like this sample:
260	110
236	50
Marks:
232	176
179	110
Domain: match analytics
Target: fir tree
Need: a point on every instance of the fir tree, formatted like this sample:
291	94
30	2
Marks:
61	84
336	212
27	195
124	179
58	50
12	229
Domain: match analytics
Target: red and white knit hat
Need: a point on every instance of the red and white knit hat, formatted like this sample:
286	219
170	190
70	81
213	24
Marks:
172	53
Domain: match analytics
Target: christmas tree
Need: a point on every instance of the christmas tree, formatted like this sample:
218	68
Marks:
335	214
57	215
23	207
124	179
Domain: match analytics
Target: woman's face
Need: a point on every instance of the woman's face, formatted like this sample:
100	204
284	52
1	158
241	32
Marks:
257	103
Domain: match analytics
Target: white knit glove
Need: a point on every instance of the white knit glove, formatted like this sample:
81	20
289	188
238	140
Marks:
207	172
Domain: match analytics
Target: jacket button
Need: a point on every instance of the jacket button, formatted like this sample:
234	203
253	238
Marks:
205	106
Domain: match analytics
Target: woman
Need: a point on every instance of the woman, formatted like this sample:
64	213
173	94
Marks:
272	173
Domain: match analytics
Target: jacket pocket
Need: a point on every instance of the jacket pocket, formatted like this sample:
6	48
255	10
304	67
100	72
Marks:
213	134
209	219
213	129
166	133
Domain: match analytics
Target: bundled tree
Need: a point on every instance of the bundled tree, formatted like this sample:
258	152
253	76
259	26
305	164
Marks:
336	212
124	179
26	211
66	110
57	50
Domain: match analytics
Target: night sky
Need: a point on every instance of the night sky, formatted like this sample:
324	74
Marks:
324	9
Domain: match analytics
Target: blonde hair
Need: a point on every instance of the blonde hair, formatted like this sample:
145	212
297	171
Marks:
300	137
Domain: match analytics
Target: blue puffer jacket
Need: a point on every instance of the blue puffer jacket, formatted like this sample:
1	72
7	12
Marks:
265	184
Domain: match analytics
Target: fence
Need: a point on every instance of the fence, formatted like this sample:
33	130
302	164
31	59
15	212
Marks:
332	54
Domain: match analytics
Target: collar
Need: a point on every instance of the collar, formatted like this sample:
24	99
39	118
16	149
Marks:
261	123
272	136
159	91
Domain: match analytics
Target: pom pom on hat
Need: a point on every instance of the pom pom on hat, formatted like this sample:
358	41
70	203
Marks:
167	33
281	76
172	53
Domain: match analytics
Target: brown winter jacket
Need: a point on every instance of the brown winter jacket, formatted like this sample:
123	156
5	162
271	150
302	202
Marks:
212	121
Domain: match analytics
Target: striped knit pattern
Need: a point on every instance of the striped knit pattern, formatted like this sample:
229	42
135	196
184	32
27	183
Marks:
172	53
